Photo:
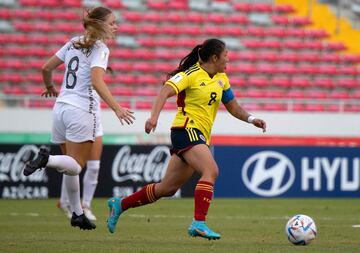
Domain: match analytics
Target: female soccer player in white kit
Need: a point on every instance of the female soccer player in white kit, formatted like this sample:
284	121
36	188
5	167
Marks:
76	111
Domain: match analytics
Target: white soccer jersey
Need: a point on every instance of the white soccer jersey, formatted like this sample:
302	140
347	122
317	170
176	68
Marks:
77	88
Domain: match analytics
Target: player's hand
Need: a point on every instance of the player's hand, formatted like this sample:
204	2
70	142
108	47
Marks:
150	125
124	114
260	124
50	92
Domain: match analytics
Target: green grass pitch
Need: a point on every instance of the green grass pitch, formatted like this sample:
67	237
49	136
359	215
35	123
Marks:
246	225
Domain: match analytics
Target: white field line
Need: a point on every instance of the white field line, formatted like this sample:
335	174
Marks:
165	216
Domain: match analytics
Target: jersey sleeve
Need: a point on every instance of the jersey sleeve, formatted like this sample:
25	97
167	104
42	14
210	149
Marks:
99	57
179	82
226	83
62	51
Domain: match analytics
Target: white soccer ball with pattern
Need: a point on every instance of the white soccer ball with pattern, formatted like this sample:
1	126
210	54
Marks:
300	229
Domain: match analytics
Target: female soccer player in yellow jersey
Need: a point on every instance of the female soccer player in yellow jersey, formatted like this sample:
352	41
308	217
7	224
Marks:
200	83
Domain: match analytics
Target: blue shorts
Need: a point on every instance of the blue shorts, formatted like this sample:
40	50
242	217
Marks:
184	139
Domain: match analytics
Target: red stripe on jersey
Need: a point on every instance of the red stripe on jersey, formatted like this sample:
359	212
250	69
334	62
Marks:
181	101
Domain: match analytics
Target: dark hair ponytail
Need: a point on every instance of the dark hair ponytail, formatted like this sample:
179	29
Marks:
187	61
201	52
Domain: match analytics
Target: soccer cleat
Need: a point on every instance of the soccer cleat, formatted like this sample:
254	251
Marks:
114	213
65	209
199	228
88	213
82	222
39	162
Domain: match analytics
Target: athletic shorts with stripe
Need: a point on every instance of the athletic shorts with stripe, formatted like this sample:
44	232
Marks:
184	139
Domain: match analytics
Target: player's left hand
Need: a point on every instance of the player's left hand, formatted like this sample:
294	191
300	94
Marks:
50	92
260	124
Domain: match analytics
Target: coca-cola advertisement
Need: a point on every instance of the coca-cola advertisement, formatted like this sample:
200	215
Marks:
124	170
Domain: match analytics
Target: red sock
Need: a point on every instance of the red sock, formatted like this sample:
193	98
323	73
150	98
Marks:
142	197
202	196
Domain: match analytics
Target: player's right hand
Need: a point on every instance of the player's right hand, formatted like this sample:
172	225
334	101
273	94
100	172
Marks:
150	125
126	115
50	92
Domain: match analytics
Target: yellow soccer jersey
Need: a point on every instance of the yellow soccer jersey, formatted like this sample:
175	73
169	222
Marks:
198	98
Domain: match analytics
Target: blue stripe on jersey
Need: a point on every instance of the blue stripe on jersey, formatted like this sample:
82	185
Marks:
227	96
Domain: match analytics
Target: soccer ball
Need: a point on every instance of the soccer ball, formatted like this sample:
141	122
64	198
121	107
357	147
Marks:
300	229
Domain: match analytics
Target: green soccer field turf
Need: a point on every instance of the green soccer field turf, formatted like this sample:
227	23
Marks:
246	225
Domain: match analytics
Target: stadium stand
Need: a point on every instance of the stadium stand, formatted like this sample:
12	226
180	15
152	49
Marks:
273	52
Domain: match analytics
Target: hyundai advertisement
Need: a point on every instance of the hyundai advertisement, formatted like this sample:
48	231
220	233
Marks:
287	171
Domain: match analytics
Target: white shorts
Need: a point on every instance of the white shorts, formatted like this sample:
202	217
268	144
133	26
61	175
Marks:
74	124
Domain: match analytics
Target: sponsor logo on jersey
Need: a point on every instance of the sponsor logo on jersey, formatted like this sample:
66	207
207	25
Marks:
176	78
220	83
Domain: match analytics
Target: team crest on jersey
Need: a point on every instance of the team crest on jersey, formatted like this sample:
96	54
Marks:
176	78
202	137
220	83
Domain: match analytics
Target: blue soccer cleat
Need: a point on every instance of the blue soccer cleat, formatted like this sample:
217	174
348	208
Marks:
115	211
199	228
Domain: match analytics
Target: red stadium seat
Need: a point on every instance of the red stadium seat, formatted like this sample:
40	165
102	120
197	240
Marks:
334	46
300	82
194	17
132	16
255	93
262	7
121	91
348	70
147	80
327	69
280	81
314	107
237	19
350	58
336	94
142	66
237	81
288	57
143	91
284	8
245	56
266	69
114	4
317	94
323	82
258	81
143	105
170	106
275	93
269	56
125	79
295	93
243	7
352	108
274	107
288	69
153	16
316	33
348	83
247	69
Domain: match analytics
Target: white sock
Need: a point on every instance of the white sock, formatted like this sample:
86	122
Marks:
90	181
64	164
72	185
64	199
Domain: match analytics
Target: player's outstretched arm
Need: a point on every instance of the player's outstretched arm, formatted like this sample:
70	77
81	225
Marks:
166	92
238	112
97	78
